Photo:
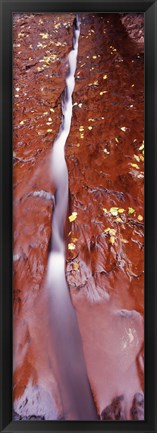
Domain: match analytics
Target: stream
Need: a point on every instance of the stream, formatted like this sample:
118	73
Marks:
78	255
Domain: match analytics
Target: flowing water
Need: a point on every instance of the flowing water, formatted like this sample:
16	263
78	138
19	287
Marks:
73	382
93	94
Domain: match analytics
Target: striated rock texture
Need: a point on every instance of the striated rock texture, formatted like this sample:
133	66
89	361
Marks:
105	251
41	45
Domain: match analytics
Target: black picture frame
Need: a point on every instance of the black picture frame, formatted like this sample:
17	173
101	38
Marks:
149	8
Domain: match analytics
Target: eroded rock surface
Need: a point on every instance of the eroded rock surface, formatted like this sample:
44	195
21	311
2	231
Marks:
105	159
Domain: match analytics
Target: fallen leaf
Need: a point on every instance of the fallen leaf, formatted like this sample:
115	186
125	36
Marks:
112	232
137	158
75	266
114	211
44	35
140	217
102	93
121	210
134	166
71	246
112	240
90	127
73	216
107	230
142	146
131	210
123	128
104	210
81	128
95	83
105	77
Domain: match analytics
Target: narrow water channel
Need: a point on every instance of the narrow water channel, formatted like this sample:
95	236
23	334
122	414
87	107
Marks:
78	210
72	375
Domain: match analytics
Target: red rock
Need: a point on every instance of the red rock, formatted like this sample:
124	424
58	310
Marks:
103	146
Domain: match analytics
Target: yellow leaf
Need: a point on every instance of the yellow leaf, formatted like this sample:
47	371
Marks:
112	240
75	266
95	83
112	232
137	158
39	69
49	130
104	210
73	216
75	239
52	110
90	127
107	230
94	57
22	122
119	220
71	246
124	241
142	146
114	211
81	128
142	158
121	210
134	166
44	35
140	217
102	93
131	210
116	139
105	77
123	128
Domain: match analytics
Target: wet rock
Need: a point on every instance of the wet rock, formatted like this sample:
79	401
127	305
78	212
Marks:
115	411
134	24
105	158
137	410
41	43
17	417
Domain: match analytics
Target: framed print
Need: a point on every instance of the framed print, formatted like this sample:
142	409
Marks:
78	216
